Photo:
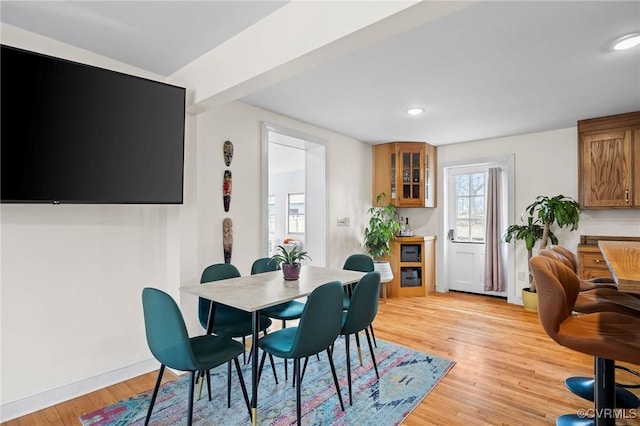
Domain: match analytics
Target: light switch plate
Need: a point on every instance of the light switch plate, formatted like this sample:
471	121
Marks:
343	221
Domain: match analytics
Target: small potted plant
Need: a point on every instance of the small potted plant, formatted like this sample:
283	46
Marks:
289	260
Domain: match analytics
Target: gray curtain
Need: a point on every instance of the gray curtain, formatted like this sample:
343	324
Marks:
493	268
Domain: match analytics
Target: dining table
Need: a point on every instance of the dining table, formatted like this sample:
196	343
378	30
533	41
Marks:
623	260
252	293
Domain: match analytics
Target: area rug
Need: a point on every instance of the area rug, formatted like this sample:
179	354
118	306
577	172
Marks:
406	378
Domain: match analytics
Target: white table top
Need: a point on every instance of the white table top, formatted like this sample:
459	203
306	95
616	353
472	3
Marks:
254	292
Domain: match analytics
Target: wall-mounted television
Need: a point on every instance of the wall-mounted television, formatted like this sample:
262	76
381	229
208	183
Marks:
74	133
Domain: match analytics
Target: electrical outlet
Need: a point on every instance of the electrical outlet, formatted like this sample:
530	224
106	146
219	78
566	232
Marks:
343	221
520	276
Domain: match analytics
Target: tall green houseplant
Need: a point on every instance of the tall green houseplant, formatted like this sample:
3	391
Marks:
541	215
381	230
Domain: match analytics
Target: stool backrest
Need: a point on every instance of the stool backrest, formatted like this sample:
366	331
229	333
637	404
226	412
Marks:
568	255
558	288
555	255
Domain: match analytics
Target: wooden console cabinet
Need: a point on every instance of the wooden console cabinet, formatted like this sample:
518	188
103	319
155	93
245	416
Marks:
413	264
591	262
406	173
609	162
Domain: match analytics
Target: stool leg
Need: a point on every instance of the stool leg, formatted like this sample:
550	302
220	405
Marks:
605	392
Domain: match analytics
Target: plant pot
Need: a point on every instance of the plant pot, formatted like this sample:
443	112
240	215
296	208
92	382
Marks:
291	272
530	300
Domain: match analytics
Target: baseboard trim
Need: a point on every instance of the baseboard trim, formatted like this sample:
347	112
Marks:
30	404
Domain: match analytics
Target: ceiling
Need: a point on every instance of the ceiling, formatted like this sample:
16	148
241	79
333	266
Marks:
490	70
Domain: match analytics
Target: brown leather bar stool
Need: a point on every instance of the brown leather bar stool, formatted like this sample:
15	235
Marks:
570	259
608	336
595	297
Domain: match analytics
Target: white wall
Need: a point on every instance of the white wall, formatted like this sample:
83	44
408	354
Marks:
349	188
545	164
72	277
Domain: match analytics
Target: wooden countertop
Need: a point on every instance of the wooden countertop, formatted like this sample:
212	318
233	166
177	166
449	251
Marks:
623	260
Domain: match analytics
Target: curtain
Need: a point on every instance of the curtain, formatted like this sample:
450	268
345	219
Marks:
493	267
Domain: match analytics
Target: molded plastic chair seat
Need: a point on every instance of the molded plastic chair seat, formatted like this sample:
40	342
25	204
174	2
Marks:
170	344
227	320
318	328
608	336
361	263
362	311
285	311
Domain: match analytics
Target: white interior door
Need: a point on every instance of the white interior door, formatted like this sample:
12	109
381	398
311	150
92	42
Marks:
466	218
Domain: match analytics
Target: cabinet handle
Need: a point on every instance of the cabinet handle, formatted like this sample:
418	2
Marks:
626	196
597	261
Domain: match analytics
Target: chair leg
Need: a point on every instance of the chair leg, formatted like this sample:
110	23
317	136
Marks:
154	395
192	381
346	346
359	349
209	383
273	368
244	354
335	377
264	356
296	372
373	357
229	384
242	385
304	367
373	335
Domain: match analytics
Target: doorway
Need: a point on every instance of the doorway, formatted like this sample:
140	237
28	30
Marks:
293	192
464	223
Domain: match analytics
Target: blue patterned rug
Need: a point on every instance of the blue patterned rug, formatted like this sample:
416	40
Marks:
406	378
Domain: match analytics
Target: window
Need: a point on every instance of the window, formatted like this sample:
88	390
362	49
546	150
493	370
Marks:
296	213
470	207
271	208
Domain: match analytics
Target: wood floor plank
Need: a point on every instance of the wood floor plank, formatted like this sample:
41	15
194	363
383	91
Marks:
507	372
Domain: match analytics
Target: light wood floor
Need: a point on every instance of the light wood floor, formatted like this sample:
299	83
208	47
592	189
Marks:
507	372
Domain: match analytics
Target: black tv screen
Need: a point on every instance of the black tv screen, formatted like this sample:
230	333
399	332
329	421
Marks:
74	133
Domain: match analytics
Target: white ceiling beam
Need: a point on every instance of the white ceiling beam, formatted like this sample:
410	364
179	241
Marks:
297	37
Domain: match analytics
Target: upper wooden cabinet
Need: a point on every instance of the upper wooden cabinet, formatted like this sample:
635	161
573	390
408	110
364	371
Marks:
406	173
609	162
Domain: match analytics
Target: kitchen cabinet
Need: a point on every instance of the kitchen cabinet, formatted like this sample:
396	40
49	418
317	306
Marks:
609	162
591	263
406	173
413	266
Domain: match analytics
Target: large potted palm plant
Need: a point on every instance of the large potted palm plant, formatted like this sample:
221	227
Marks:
381	229
540	216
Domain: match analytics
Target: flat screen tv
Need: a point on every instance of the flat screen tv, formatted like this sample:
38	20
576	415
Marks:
74	133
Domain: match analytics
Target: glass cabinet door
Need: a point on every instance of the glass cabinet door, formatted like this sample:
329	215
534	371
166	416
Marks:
411	176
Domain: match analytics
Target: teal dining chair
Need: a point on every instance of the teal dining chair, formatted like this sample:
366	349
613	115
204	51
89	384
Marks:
227	321
318	328
361	263
284	312
363	308
171	345
291	310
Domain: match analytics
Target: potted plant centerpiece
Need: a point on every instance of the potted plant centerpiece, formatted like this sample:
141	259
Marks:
289	260
381	230
540	216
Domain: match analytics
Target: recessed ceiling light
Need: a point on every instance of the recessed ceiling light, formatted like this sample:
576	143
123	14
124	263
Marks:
415	111
626	42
